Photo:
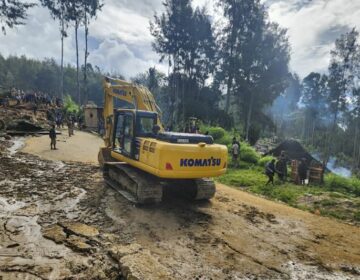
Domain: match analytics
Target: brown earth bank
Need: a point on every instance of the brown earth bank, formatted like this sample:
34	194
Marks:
59	221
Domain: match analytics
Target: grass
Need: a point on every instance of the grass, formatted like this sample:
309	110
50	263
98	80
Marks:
338	197
330	199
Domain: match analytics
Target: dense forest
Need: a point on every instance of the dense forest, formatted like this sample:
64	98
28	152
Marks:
232	72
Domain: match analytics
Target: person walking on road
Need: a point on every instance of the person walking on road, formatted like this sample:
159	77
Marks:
70	125
52	135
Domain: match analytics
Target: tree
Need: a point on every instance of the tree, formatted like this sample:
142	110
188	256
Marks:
12	13
341	79
315	91
91	7
76	14
185	38
285	106
33	75
255	55
58	10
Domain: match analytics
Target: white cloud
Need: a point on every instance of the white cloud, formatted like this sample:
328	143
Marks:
121	40
117	57
313	27
120	35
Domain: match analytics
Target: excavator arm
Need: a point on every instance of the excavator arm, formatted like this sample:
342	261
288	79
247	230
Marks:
137	96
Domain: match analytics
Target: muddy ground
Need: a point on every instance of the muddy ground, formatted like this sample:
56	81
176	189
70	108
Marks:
59	221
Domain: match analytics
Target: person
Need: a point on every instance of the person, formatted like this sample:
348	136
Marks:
270	171
35	108
284	159
235	152
52	135
70	126
280	166
302	171
156	129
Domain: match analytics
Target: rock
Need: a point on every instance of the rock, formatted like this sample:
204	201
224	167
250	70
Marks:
137	263
80	229
142	265
78	244
54	233
119	251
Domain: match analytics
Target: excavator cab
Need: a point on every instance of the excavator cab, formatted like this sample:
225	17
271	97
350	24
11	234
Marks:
129	125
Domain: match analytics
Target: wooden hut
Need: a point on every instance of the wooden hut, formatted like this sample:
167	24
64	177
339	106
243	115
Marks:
296	152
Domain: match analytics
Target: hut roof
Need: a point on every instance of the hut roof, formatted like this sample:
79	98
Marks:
293	149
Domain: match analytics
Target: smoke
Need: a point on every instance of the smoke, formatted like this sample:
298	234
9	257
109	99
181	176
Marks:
334	167
338	170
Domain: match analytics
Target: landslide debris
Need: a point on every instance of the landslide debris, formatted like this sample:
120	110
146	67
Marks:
20	121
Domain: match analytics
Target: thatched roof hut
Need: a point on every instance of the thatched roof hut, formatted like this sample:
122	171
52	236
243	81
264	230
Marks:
293	149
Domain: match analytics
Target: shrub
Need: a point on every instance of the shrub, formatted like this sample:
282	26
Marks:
216	132
264	160
337	183
248	154
225	140
70	105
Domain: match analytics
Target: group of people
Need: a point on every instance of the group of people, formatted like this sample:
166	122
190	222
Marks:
35	97
279	167
70	122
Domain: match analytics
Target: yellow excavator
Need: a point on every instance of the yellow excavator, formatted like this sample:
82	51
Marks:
141	160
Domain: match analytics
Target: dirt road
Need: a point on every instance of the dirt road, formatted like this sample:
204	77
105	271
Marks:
59	221
82	147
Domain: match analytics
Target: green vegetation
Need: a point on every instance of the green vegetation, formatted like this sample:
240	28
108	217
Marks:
220	135
248	154
343	185
338	197
70	105
264	160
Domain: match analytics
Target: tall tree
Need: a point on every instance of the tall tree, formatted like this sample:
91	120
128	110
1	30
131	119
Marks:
341	79
255	55
315	92
58	10
91	7
76	14
12	13
185	38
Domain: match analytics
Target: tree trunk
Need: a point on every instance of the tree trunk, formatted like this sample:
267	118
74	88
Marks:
62	59
77	62
228	92
86	57
332	132
248	119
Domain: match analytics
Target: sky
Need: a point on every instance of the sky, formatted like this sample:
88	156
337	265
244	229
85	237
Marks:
120	40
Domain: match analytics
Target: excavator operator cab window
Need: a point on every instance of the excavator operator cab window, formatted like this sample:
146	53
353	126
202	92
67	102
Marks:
124	134
119	133
145	125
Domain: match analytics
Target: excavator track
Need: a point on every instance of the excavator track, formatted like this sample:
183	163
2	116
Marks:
205	189
192	189
135	185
